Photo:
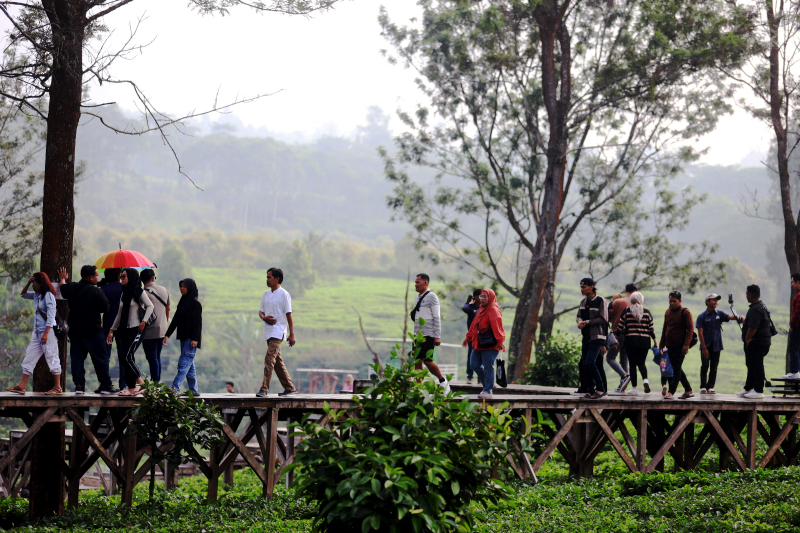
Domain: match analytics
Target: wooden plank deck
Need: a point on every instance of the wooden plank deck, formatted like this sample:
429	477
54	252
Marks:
642	430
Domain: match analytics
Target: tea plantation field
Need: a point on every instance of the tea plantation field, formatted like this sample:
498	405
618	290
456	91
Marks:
753	502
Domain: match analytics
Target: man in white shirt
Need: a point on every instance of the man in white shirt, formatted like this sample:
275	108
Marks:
276	312
426	307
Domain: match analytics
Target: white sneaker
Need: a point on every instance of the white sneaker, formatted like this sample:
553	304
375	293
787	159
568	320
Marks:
754	395
790	375
712	391
703	391
446	385
634	391
469	381
485	395
742	393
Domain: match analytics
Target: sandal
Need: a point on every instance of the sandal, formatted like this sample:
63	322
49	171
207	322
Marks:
137	391
590	396
687	395
16	388
124	392
54	391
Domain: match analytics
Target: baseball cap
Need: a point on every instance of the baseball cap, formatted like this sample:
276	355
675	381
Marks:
713	296
588	282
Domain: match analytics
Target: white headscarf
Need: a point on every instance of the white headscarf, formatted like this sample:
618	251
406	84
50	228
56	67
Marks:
637	309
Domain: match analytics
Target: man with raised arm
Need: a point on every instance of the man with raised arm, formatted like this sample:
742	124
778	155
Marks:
86	304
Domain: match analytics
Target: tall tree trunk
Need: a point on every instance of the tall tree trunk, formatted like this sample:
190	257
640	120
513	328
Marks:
556	94
791	232
548	317
67	19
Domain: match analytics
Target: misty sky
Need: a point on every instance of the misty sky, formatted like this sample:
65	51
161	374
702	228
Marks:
328	68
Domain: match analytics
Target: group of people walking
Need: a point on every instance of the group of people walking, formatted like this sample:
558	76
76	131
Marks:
128	307
624	330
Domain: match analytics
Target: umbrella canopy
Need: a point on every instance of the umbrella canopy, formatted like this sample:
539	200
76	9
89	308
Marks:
123	259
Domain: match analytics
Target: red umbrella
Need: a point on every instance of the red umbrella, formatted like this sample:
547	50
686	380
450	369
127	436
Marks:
123	259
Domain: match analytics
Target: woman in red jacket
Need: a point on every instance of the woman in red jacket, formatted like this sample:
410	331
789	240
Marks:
487	336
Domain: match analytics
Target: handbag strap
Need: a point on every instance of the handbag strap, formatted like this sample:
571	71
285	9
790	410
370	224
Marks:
158	298
419	302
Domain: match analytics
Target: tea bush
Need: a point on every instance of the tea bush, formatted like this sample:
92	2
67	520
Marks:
406	458
556	363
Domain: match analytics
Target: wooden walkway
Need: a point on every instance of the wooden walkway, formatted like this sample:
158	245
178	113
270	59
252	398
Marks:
642	430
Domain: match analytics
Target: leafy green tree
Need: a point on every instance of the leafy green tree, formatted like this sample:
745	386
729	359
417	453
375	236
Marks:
406	458
172	266
773	80
299	274
554	120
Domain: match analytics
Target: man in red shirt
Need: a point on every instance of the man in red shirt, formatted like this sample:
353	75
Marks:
794	331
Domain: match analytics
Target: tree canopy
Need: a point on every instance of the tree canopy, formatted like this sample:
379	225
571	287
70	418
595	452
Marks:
553	120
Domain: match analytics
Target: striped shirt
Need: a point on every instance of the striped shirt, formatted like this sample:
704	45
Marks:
630	327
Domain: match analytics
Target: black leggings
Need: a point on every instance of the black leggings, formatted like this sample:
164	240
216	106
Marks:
637	356
127	344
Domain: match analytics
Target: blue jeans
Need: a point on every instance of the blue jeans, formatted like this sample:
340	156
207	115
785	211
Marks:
591	374
186	367
482	362
152	350
794	351
469	361
94	345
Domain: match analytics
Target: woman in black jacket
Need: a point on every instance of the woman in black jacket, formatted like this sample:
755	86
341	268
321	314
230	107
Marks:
188	321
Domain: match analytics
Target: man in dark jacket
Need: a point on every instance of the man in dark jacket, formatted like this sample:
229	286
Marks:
757	337
592	320
86	304
676	336
471	309
112	288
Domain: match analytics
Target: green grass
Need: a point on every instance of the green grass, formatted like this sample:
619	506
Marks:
326	307
762	501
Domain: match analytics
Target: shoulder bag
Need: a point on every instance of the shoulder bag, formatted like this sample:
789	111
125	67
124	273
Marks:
143	311
694	332
60	329
500	375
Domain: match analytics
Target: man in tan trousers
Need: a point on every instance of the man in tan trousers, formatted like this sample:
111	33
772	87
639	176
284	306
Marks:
276	312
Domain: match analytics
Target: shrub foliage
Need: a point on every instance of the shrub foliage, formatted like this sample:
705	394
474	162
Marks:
406	458
556	363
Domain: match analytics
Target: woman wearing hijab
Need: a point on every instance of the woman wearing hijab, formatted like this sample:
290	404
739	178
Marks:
43	340
128	328
188	321
636	324
487	336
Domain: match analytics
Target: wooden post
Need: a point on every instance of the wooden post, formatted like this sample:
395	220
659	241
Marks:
76	457
171	477
641	441
272	443
128	466
289	453
227	475
213	479
752	434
